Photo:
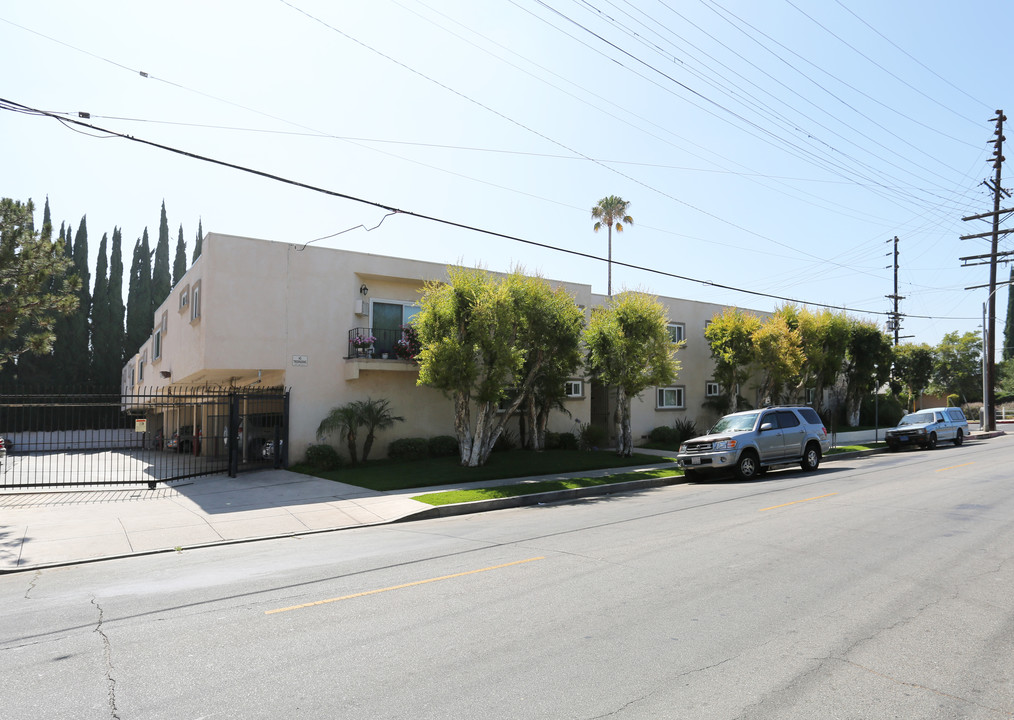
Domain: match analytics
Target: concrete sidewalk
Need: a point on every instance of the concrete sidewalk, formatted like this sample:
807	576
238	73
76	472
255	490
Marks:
57	528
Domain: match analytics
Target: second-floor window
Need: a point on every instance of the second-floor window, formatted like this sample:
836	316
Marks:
677	332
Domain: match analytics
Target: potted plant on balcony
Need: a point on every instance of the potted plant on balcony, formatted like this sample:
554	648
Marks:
363	345
408	347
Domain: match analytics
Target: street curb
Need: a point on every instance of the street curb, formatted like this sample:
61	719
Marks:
544	498
555	496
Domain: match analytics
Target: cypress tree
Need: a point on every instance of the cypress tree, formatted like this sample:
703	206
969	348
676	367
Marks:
115	304
161	280
101	359
197	243
47	223
82	360
180	261
140	313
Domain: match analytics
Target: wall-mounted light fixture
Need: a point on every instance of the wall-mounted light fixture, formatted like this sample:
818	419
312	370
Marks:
363	290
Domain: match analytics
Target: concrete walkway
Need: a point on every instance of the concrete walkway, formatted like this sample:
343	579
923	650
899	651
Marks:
57	528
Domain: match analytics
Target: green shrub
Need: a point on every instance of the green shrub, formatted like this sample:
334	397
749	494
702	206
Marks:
442	446
592	437
560	441
408	449
681	429
568	441
887	411
323	457
664	434
686	428
505	442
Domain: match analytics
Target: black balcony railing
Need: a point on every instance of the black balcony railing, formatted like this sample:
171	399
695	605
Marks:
373	342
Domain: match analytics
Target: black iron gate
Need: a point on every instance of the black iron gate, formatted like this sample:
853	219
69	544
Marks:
162	435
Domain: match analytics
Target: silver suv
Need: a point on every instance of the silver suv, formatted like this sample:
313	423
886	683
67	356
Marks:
750	442
926	427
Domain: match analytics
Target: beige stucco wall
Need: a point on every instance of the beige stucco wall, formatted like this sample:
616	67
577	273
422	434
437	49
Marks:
276	313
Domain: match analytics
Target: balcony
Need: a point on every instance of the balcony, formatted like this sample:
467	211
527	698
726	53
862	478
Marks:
377	349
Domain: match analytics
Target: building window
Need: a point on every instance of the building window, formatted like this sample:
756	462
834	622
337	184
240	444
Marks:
132	383
140	368
184	298
574	388
156	350
677	332
706	323
811	396
388	317
670	398
712	389
195	302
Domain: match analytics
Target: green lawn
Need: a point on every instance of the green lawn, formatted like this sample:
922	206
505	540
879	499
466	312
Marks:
453	497
855	448
383	475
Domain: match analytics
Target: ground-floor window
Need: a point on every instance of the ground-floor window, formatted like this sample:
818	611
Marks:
671	398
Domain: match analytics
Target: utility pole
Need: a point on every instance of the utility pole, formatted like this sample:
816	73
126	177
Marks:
894	323
991	344
989	329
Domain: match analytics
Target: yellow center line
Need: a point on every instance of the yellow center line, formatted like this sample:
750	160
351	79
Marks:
952	467
794	502
399	587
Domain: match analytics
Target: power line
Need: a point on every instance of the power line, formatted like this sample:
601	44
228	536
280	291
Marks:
12	106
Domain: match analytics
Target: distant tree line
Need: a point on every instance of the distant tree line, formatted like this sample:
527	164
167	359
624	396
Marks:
58	329
797	351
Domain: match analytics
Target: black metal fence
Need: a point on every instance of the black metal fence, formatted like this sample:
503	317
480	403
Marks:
160	435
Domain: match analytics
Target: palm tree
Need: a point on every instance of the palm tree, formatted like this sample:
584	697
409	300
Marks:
374	415
611	211
343	420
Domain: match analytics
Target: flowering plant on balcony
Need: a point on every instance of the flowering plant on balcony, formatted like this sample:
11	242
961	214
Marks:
360	342
408	347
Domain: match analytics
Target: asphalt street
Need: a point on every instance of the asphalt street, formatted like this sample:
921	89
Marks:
875	588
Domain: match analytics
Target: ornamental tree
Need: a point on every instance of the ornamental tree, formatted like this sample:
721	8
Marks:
629	349
730	335
485	341
913	366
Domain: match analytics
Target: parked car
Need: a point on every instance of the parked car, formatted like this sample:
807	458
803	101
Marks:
185	442
926	428
268	450
3	448
261	434
749	443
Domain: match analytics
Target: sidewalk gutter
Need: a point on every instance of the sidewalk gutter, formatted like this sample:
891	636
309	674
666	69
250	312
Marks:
556	496
263	520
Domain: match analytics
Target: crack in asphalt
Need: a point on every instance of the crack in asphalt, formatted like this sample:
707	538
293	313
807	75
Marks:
31	584
107	657
918	686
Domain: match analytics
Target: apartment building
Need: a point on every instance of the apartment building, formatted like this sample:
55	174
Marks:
254	313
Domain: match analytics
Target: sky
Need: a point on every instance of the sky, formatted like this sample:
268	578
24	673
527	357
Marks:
770	150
